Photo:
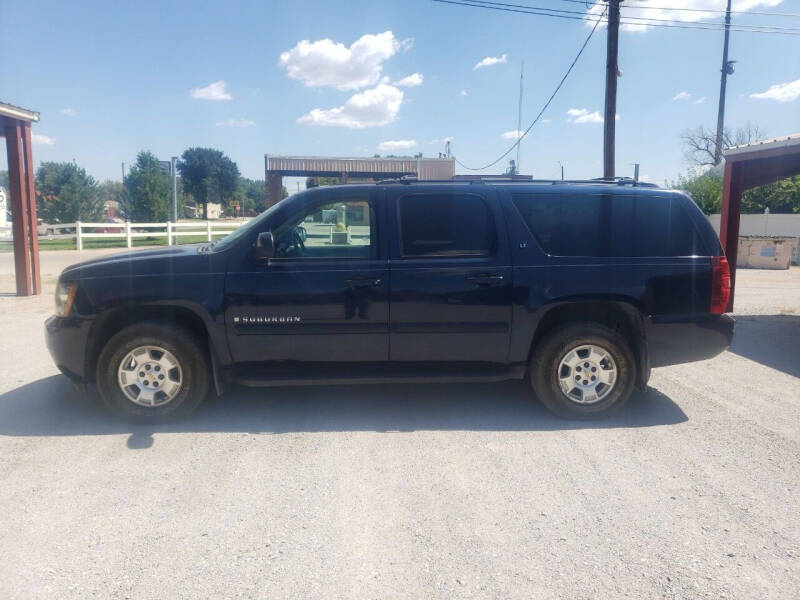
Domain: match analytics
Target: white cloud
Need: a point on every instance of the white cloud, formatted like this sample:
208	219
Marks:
581	115
392	145
371	108
412	80
462	93
444	140
700	100
701	10
512	135
43	140
490	61
69	112
681	96
325	62
546	120
782	92
236	123
213	91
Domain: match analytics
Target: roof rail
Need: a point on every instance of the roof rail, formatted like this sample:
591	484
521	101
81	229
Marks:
406	180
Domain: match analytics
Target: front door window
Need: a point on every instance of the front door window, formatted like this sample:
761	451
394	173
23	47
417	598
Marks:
343	229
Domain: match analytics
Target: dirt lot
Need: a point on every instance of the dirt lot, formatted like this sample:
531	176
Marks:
445	491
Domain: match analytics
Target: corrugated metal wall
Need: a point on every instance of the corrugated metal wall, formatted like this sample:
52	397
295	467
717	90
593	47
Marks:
430	168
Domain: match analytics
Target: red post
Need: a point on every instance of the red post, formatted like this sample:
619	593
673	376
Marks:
19	212
732	189
274	187
30	200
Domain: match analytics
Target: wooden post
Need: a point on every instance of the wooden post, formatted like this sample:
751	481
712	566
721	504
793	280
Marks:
169	233
128	233
208	231
78	238
732	189
612	72
30	200
19	207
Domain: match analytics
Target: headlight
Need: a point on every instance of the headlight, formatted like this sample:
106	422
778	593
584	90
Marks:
65	296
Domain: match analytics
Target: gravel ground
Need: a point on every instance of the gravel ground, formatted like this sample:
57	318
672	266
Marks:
448	491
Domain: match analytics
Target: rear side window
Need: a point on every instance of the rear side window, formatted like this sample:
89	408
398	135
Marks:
446	225
610	225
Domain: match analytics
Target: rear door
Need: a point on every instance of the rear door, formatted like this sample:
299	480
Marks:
451	279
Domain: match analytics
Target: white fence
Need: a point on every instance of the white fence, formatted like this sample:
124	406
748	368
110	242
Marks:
128	231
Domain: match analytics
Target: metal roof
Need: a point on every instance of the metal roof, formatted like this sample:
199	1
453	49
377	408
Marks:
788	141
429	168
17	112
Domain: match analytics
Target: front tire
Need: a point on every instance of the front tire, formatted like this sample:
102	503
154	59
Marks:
153	371
583	371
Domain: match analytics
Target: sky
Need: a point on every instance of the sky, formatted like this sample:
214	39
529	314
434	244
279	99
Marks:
357	78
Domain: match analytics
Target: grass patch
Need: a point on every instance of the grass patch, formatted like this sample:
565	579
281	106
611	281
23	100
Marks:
93	243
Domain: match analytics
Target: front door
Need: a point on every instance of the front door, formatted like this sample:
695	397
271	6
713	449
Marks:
324	295
451	278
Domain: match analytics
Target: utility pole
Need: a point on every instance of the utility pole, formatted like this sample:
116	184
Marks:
612	72
727	69
519	112
174	189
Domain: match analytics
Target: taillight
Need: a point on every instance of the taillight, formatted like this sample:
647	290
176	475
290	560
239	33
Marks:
720	284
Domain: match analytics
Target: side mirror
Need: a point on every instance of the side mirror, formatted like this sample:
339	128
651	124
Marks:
264	248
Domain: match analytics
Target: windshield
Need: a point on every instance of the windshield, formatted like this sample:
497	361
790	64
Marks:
245	229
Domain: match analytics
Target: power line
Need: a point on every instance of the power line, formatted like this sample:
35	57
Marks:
584	14
700	10
647	23
544	108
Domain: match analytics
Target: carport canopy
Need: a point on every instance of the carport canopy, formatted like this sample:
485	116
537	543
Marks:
15	126
746	167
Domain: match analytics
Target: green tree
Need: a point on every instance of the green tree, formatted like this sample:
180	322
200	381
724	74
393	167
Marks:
209	176
148	189
706	189
780	197
66	193
4	179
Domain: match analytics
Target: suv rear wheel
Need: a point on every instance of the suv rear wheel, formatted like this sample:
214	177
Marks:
583	371
153	371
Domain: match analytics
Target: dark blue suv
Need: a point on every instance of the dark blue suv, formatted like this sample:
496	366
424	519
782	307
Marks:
581	287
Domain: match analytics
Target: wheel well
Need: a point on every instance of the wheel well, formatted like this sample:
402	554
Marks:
619	316
114	321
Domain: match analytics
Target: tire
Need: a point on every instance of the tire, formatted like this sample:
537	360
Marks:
178	372
592	400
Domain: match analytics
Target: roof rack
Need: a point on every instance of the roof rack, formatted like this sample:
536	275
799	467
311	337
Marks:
407	180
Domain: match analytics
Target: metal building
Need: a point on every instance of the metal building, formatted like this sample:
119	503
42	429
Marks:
278	167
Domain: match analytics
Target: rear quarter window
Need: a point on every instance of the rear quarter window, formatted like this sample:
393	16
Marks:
646	225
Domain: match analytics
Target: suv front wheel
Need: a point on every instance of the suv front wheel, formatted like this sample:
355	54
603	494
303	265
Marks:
583	371
153	371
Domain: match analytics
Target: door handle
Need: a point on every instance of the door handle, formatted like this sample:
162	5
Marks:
362	282
485	279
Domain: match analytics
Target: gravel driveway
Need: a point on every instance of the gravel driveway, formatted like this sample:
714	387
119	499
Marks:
446	491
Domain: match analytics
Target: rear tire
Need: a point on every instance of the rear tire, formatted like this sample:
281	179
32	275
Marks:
165	375
583	371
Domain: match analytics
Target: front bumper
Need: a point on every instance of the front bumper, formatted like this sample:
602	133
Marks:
671	342
66	339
